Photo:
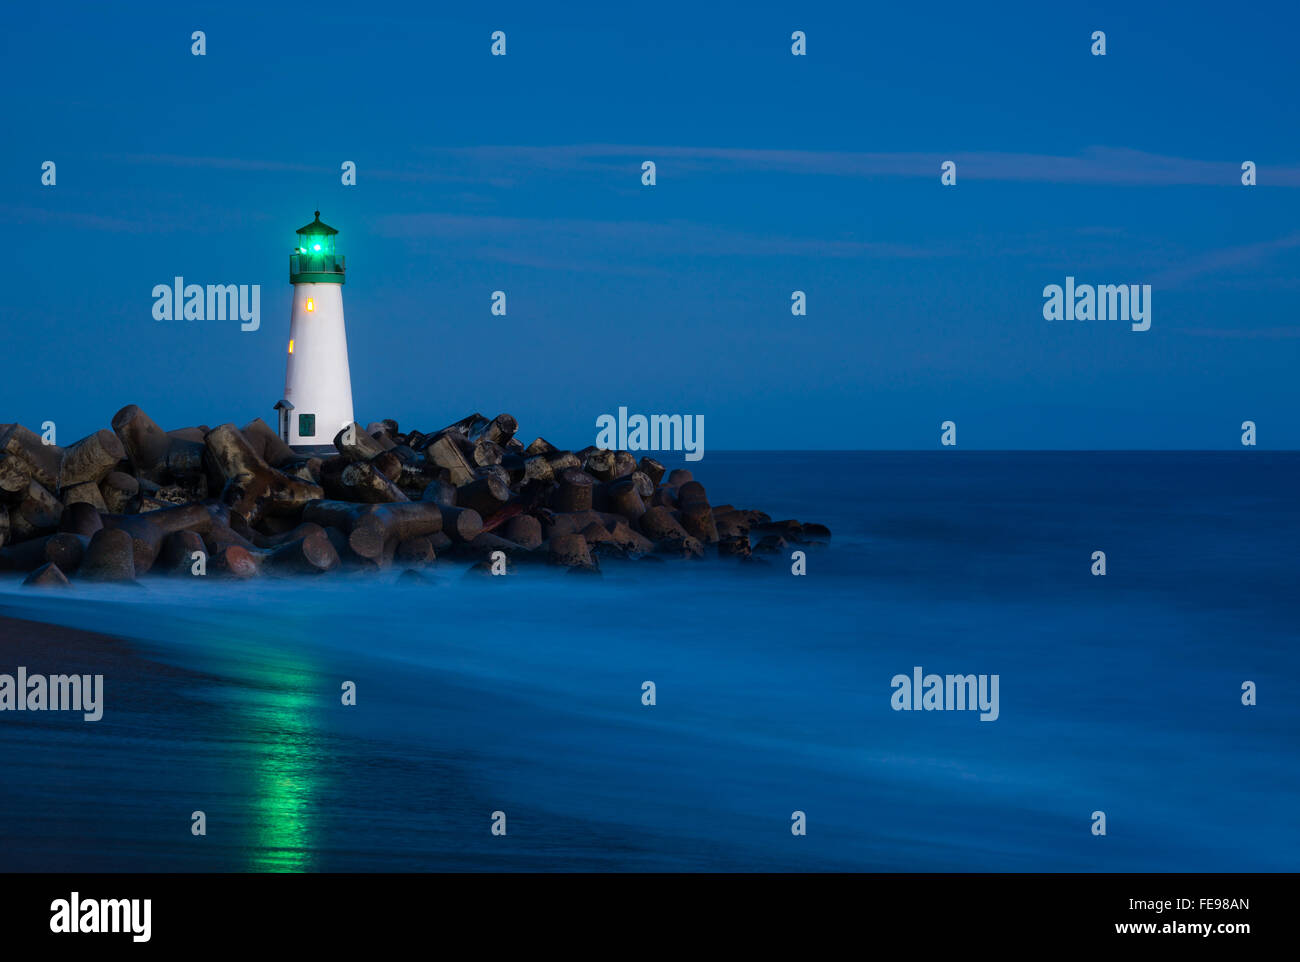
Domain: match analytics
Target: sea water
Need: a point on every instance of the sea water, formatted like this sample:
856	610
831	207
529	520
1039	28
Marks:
523	695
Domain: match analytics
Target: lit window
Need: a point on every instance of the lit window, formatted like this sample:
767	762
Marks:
311	305
290	345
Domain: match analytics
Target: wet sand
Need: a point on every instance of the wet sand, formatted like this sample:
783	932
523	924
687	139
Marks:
56	773
118	794
283	786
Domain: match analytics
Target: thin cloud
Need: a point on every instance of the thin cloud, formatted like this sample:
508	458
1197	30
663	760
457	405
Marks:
409	175
84	220
215	163
634	238
1096	165
1224	259
504	165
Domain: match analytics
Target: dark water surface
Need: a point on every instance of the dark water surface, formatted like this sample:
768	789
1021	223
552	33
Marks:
1119	694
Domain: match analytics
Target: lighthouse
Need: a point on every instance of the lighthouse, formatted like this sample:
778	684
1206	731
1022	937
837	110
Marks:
317	401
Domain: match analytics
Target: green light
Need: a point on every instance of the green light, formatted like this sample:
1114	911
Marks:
302	250
286	769
316	247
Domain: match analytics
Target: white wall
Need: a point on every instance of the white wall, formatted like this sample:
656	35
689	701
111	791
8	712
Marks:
317	380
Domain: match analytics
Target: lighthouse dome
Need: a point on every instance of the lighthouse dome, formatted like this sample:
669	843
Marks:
314	258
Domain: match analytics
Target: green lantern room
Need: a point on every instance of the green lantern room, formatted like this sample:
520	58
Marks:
314	259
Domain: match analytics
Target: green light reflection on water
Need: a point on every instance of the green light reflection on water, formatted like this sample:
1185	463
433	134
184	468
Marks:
286	767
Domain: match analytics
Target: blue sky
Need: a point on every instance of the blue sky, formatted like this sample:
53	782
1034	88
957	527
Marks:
775	173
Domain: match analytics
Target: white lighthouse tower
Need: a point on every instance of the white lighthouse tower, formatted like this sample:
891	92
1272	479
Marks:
317	384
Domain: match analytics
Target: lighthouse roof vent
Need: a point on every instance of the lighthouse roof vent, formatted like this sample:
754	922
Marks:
316	227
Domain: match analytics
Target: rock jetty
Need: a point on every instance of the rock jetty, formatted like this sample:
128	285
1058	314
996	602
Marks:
239	502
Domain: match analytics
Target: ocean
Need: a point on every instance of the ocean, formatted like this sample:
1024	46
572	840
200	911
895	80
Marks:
522	695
